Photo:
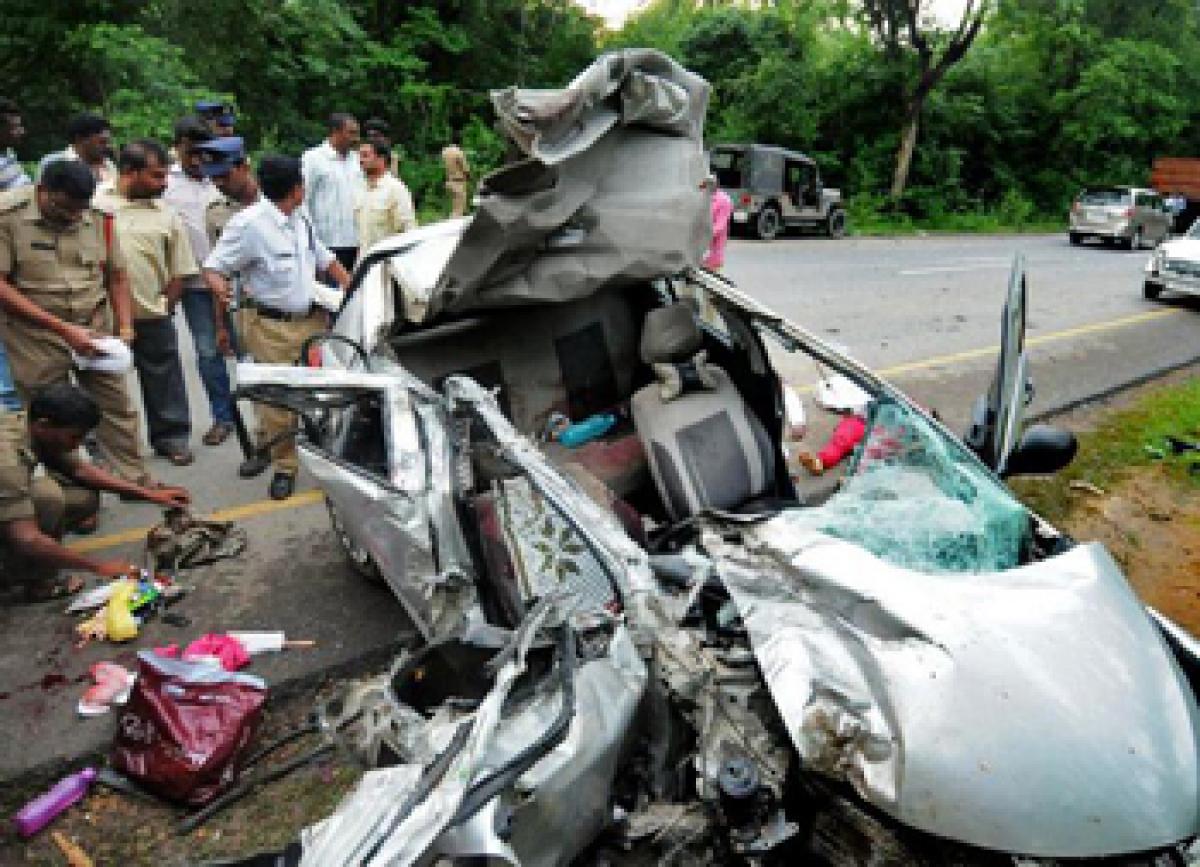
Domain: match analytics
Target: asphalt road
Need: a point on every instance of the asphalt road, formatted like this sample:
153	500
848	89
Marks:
923	311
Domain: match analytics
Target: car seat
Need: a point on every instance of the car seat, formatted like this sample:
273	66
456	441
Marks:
706	449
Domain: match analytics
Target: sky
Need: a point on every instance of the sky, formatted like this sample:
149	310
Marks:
614	12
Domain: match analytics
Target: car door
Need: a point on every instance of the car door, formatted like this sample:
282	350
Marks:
995	429
368	440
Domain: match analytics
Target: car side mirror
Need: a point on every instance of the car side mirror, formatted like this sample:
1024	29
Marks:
1043	450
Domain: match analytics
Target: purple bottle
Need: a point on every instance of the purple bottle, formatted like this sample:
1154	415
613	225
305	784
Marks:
40	812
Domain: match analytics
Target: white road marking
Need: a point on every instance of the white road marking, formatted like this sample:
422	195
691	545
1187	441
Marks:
954	269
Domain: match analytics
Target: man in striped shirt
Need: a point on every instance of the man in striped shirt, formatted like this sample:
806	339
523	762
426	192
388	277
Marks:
12	173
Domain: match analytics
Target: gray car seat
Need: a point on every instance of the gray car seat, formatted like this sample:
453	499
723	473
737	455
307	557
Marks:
705	447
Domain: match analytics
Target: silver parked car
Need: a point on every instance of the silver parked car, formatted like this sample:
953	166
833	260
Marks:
663	643
1129	216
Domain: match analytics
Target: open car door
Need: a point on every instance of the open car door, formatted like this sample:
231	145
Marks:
995	430
363	438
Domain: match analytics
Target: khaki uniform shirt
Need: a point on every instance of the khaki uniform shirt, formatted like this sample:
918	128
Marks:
17	464
384	208
455	160
155	243
217	215
60	270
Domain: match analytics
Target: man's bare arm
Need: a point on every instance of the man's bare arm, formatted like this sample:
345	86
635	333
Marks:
173	292
218	285
340	275
27	539
121	299
91	476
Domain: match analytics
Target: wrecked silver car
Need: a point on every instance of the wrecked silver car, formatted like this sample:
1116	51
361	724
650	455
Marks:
664	645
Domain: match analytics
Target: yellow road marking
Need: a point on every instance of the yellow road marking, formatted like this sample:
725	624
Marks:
1039	340
308	498
234	513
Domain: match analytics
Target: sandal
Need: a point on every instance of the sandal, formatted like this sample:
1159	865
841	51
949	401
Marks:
59	588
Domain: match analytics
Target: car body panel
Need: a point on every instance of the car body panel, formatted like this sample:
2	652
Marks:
935	697
1175	265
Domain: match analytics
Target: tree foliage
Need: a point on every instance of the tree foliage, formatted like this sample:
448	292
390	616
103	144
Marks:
1052	95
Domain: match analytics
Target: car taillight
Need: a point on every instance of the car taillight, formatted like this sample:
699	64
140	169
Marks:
1129	213
745	200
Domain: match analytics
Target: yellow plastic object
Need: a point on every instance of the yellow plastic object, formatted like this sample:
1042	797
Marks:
119	623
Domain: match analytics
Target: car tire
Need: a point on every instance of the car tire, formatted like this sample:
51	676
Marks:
1135	240
360	558
835	224
1075	238
1151	291
768	224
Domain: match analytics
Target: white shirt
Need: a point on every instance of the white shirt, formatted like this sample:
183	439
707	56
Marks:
331	186
190	198
276	256
107	172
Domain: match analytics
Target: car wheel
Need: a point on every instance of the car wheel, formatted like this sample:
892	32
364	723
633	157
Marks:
835	223
360	558
1076	238
1151	291
1135	240
768	224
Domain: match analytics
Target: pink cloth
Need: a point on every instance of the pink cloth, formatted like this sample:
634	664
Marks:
722	212
229	650
848	433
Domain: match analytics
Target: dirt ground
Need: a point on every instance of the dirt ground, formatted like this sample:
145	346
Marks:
1148	520
1152	528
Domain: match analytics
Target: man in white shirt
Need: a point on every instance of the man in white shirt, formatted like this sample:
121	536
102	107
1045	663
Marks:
385	206
332	180
273	247
189	194
91	144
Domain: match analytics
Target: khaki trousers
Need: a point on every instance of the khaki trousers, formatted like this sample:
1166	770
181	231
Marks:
458	197
39	358
273	341
57	505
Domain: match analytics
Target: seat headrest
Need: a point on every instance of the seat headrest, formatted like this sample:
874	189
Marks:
670	334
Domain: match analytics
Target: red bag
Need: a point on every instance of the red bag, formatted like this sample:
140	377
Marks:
186	726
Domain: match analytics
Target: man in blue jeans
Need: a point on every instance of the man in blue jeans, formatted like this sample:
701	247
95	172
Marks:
189	193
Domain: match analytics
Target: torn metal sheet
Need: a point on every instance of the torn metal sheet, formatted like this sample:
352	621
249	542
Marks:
981	707
611	192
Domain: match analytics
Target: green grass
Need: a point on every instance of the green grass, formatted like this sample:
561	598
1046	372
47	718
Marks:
950	224
1119	443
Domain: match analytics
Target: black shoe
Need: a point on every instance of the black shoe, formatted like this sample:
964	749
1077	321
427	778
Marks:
282	486
253	466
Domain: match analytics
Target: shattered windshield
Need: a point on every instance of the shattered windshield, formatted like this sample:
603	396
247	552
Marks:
915	499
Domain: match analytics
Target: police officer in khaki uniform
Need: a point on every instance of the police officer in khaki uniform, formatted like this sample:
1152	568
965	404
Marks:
274	248
458	173
36	511
54	256
158	258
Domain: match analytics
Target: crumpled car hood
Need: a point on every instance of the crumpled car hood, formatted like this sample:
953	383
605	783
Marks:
1035	711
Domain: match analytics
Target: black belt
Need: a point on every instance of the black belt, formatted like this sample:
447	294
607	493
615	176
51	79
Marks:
272	313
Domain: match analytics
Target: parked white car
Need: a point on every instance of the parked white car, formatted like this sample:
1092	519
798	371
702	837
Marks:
1174	266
